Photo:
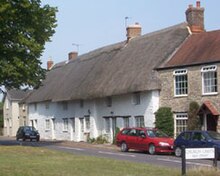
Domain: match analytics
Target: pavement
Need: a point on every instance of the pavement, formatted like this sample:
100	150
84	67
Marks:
72	144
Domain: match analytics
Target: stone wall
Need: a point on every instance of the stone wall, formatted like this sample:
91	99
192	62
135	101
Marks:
181	103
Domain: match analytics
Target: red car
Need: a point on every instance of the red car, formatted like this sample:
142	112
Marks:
144	139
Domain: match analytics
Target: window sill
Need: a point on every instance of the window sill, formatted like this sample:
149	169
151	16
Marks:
180	96
210	94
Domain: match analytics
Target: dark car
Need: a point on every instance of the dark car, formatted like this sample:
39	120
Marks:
27	132
196	139
144	139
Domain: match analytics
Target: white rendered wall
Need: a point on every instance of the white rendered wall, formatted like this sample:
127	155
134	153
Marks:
96	109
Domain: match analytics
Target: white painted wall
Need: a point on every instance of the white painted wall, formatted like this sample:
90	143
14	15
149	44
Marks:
121	106
10	115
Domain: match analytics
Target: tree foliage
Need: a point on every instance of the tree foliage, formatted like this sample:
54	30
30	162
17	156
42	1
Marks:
164	120
25	27
193	122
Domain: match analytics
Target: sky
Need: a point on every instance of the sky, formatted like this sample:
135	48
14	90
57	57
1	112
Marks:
85	25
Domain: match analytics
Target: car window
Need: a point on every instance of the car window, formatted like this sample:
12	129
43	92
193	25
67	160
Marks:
213	135
156	133
125	131
197	136
186	136
132	132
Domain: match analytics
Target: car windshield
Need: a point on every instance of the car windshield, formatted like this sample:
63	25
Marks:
156	133
214	135
29	128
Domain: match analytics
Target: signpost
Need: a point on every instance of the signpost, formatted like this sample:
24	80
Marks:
198	153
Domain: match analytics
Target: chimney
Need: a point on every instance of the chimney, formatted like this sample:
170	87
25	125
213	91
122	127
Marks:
49	64
73	55
133	31
195	18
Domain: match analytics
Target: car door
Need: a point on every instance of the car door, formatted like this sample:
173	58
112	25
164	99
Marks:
198	140
142	142
132	139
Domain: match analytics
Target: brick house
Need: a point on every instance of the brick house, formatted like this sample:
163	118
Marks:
192	74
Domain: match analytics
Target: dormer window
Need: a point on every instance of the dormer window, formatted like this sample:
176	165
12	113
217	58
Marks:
180	82
209	80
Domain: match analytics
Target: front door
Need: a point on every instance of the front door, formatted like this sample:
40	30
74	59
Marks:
53	128
81	128
72	132
212	122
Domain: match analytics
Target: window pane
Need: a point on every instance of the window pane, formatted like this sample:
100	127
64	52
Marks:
210	82
181	84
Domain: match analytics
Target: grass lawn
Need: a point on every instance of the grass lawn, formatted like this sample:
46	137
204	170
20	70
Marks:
23	161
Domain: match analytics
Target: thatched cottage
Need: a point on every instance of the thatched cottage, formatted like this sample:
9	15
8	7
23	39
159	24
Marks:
114	86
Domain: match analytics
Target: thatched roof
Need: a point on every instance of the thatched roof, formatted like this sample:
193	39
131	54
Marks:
113	70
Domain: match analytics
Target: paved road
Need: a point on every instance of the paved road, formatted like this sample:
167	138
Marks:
111	152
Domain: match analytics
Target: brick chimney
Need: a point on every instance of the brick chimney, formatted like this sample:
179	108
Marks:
49	64
73	55
195	18
133	31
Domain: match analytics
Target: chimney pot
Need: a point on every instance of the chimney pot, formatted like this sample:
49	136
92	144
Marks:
73	55
195	18
198	4
133	31
49	64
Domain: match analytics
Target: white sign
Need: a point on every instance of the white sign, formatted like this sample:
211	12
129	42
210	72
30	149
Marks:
200	153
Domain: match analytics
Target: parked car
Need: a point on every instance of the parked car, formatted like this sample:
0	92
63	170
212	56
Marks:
144	139
196	139
27	132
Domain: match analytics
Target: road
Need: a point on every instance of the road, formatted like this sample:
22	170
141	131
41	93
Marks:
132	156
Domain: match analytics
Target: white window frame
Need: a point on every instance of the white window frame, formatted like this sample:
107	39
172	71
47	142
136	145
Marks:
107	125
178	73
136	98
47	124
139	121
213	78
65	124
126	122
180	117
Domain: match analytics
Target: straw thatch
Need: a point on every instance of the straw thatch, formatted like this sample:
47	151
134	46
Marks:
113	70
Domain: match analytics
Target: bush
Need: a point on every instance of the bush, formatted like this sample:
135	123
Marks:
164	120
193	119
99	140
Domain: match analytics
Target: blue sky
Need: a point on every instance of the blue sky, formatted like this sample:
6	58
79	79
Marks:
97	23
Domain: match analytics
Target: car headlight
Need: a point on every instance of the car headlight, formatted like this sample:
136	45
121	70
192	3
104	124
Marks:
164	144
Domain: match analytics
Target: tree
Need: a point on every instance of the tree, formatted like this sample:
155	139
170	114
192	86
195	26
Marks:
193	122
164	120
25	28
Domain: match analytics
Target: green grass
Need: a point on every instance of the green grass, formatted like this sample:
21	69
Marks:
25	161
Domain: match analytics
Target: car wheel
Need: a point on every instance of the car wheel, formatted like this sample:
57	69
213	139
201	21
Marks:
152	149
124	147
178	151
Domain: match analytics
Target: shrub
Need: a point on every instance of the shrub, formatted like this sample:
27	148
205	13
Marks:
193	119
164	120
